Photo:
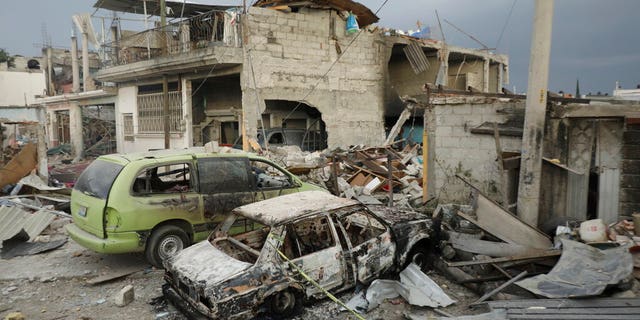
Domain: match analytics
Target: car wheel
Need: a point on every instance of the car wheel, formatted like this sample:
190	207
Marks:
419	256
164	242
283	303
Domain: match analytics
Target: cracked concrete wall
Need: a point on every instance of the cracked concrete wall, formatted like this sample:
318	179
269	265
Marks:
458	151
289	53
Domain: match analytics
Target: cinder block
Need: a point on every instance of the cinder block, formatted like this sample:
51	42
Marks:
125	296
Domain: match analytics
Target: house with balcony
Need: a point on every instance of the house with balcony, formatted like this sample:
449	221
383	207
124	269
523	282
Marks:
280	64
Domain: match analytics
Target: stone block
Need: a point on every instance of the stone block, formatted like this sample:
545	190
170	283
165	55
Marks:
14	316
125	296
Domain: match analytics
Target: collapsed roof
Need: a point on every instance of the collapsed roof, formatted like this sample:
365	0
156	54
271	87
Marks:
363	14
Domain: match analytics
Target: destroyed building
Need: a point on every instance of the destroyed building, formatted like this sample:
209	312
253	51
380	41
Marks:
80	111
20	121
297	68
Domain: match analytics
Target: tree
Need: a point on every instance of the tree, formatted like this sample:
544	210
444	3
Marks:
6	58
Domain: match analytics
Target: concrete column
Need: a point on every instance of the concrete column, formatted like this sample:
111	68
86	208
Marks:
75	68
75	130
185	37
485	75
85	61
43	170
533	134
443	72
500	76
115	45
50	85
187	110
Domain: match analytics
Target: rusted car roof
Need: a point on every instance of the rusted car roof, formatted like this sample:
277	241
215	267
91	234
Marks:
283	208
363	14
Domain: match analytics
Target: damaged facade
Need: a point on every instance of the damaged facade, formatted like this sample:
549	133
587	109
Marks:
589	162
227	72
80	112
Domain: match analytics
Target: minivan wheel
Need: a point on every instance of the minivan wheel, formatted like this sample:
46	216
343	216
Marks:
165	242
283	303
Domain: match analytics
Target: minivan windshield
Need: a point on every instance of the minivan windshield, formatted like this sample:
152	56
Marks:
97	178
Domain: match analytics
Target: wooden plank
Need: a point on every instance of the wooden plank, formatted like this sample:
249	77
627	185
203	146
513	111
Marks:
550	253
502	224
562	166
118	273
500	288
496	220
490	248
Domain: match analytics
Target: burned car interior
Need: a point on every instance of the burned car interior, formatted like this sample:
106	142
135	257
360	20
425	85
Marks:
243	241
307	236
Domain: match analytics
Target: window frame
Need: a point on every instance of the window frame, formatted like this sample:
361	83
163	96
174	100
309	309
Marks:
193	183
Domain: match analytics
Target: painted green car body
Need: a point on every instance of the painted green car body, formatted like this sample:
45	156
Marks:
122	202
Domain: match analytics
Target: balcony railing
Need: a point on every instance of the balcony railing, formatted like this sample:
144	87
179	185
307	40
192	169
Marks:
214	28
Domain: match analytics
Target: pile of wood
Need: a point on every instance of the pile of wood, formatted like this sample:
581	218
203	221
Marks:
383	172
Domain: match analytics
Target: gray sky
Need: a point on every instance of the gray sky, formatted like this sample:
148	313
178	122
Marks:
594	41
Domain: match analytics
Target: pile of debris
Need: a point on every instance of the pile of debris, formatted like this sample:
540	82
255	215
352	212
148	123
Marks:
369	174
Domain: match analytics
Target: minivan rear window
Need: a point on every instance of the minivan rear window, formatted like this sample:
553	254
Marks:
97	178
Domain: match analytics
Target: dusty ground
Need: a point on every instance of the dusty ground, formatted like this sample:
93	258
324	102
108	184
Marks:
53	285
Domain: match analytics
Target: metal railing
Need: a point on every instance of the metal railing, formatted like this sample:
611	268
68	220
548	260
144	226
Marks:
151	115
214	28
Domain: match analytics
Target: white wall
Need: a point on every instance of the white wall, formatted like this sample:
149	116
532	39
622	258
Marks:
18	87
127	102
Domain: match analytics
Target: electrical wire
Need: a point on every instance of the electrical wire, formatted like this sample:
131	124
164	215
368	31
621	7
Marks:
506	23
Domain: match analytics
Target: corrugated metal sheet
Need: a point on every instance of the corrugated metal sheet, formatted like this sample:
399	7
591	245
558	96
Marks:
417	59
14	219
11	221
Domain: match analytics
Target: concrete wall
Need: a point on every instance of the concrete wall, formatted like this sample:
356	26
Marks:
127	103
405	81
471	66
458	151
20	88
290	53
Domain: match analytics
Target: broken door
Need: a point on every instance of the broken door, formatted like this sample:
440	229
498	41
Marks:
608	160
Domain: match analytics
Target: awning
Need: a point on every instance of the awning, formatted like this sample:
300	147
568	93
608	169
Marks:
191	8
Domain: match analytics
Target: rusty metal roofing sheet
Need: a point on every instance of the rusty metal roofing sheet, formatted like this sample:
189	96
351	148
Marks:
280	209
363	14
14	219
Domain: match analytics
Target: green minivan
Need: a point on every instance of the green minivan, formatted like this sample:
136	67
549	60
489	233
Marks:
160	202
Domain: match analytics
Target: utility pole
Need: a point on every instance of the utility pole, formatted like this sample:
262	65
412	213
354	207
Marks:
165	81
536	105
165	111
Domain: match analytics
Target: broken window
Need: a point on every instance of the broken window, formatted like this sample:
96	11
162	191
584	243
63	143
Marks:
169	178
243	240
267	176
127	122
361	227
307	236
223	175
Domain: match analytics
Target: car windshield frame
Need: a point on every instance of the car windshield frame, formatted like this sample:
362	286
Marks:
98	178
229	228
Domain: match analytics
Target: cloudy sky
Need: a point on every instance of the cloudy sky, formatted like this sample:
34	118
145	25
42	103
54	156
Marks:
594	41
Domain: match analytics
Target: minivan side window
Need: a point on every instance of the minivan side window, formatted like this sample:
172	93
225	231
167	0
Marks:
223	175
266	176
170	178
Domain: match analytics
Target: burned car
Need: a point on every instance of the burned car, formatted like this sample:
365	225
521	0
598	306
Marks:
245	267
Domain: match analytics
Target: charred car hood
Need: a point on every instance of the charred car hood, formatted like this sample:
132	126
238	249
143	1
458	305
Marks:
203	263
